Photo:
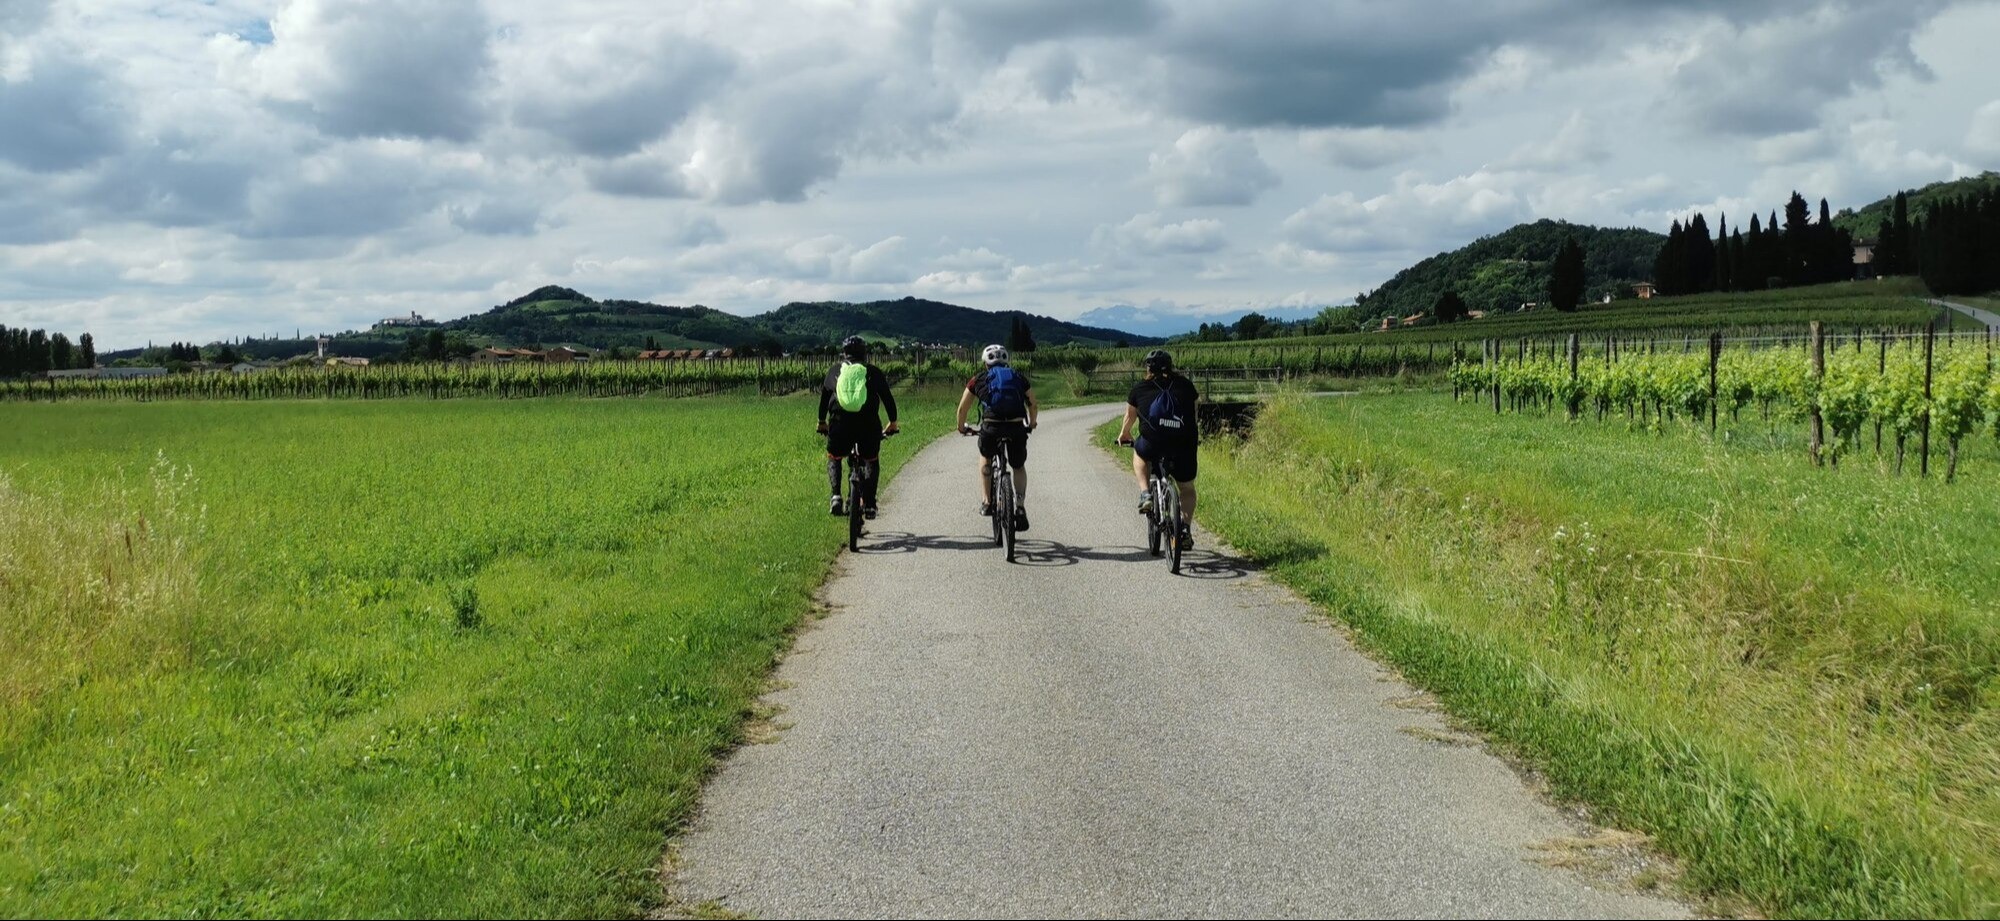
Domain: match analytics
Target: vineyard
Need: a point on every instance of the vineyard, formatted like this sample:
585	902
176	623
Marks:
1908	387
441	381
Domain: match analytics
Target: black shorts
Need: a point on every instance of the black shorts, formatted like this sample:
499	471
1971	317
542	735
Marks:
841	439
1186	459
1015	434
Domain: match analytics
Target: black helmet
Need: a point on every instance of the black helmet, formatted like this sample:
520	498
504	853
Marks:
1158	360
854	348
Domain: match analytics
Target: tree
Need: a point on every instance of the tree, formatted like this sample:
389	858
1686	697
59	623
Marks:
1700	256
60	352
1668	266
1449	308
1252	326
1020	338
38	352
434	349
86	351
1566	278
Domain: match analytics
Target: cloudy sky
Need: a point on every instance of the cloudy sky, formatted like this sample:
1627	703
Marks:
190	169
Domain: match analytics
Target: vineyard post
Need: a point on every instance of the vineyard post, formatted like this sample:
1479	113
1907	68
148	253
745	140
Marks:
760	375
1881	367
1818	375
1572	400
1930	344
1493	347
1714	358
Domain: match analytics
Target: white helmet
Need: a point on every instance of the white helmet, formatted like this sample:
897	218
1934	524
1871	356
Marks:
994	355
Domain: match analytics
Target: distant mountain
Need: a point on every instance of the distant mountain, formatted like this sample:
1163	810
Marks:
1510	268
1866	224
1154	322
552	315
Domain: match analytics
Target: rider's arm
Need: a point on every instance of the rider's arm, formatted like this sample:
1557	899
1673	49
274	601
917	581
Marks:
1033	407
825	400
1131	416
888	398
964	407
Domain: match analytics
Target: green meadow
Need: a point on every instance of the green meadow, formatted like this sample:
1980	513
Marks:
467	658
1789	677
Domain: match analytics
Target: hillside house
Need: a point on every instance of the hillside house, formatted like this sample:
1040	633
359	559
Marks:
1643	290
562	354
1864	259
412	320
345	362
1413	319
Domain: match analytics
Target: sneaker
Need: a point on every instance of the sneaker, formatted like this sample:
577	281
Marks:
868	511
1020	519
1145	503
835	507
985	509
1187	537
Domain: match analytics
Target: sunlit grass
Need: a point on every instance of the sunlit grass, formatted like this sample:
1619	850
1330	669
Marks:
387	658
1788	675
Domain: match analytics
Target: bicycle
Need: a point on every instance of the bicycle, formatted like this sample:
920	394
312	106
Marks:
855	464
1005	504
1161	537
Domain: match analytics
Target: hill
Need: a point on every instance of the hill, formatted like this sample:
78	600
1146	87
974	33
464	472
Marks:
1866	224
551	315
1510	268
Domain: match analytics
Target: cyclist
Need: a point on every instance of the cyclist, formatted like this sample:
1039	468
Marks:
1007	411
849	416
1163	406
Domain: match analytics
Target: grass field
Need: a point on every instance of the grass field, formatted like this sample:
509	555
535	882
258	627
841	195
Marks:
1790	677
398	658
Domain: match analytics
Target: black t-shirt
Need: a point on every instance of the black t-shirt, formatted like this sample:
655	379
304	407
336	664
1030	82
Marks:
1142	396
879	398
978	384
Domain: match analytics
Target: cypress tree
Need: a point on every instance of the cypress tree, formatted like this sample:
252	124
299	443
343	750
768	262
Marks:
1566	278
1668	265
1700	256
1720	281
86	351
61	353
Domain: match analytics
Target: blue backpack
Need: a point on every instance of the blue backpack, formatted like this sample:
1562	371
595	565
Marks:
1006	394
1167	417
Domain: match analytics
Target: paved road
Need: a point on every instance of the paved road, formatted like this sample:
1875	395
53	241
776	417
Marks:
1084	735
1984	316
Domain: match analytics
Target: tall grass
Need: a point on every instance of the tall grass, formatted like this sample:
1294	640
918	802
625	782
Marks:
1790	677
104	579
387	658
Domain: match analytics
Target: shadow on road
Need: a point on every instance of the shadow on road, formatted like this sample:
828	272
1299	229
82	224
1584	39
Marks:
1195	564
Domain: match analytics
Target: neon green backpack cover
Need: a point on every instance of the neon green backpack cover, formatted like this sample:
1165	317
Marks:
852	390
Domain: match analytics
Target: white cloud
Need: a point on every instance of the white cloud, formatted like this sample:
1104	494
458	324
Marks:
1209	166
1983	137
376	68
1148	235
1364	148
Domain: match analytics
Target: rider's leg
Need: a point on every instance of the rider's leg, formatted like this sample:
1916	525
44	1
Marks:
871	477
833	475
1021	484
1187	500
1139	472
986	479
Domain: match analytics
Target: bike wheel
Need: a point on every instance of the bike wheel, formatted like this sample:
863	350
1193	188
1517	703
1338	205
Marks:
1153	523
999	539
1170	524
1006	509
854	510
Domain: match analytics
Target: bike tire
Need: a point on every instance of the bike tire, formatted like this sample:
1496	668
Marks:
999	539
1170	524
1005	514
854	513
1153	522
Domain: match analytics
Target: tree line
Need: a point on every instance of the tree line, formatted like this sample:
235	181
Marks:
1800	252
1955	247
25	351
